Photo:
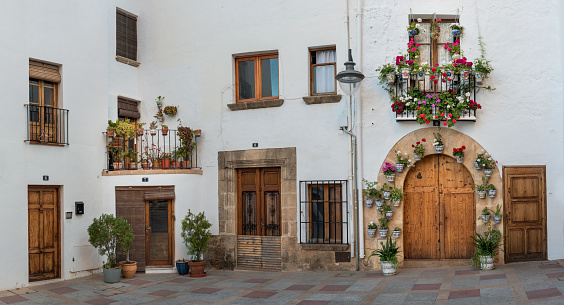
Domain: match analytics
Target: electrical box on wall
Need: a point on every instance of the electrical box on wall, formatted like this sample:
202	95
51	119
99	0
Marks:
79	205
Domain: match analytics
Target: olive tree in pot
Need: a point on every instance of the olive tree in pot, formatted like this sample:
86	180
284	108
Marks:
196	234
111	236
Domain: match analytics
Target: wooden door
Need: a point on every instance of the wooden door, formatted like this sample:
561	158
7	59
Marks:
43	235
258	219
439	210
158	232
525	212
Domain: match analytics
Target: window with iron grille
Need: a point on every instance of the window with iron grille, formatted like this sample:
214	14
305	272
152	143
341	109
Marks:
324	212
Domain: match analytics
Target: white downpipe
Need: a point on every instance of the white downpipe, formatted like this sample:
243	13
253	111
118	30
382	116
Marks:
358	125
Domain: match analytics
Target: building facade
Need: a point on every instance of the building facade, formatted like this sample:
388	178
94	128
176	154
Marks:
273	169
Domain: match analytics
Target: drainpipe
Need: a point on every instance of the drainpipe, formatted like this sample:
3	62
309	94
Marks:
358	125
355	190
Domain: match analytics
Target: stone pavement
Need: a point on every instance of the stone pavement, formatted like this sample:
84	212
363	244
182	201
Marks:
516	283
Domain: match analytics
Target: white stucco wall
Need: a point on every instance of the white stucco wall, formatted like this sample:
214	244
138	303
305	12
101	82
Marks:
186	51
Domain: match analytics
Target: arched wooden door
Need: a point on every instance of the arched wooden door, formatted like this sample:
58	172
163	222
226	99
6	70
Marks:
439	210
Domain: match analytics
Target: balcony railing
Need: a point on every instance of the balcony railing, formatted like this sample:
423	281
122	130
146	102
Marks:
151	149
456	83
47	125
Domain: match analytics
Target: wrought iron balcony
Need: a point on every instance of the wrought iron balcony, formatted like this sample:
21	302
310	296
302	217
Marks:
429	88
47	125
151	149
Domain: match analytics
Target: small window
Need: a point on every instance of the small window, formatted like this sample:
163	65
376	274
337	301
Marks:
126	35
256	77
322	71
432	49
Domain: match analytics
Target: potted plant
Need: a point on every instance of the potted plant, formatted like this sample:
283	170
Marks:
182	266
383	226
396	232
487	246
387	210
196	234
111	236
378	198
457	29
145	163
492	190
170	110
165	160
369	192
387	255
497	214
390	171
387	74
153	128
197	132
386	191
418	149
164	129
402	161
413	29
159	100
482	69
186	135
159	115
459	153
130	159
488	164
482	188
372	227
118	155
396	195
438	143
485	215
110	130
140	130
478	161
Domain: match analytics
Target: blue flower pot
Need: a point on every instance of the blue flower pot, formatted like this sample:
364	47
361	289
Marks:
456	33
412	32
182	267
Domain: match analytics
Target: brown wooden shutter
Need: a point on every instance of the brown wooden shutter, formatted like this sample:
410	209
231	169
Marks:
43	71
128	108
130	204
159	195
126	35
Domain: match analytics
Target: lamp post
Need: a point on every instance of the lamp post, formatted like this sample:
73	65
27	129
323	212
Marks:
349	81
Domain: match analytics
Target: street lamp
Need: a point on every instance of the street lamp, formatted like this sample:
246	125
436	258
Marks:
350	79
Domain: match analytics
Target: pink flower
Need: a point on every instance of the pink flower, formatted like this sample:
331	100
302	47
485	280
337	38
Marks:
413	50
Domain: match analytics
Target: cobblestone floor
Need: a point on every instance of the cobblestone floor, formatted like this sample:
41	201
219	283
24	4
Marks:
517	283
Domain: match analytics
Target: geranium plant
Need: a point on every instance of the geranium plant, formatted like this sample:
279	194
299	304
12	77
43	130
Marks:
459	152
453	48
388	169
401	159
438	139
418	148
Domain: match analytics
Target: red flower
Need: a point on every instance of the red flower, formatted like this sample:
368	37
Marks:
436	81
423	140
463	147
437	64
454	150
418	107
443	114
428	122
421	115
436	117
412	145
450	115
453	120
418	143
445	123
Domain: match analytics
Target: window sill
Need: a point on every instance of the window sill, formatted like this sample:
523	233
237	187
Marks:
128	61
322	99
47	144
256	104
152	172
325	247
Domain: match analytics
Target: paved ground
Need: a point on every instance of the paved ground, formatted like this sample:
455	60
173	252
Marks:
518	283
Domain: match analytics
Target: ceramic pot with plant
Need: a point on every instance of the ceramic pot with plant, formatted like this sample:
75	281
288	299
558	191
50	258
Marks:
140	130
383	228
386	191
418	149
402	161
110	130
438	143
196	234
481	189
492	191
487	162
396	232
111	236
186	135
485	217
390	171
388	256
182	267
487	247
371	230
369	192
153	128
459	153
498	214
396	195
145	163
413	29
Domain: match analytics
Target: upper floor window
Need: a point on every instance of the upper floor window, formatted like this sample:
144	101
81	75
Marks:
322	71
256	77
432	39
126	35
46	122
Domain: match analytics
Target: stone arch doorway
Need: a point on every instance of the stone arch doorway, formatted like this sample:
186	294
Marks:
439	209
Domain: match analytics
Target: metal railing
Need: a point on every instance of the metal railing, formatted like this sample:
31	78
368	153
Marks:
151	149
47	124
433	84
324	212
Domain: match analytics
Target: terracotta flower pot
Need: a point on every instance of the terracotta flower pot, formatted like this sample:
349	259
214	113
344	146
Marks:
128	269
146	165
198	132
110	133
185	164
164	131
197	269
166	162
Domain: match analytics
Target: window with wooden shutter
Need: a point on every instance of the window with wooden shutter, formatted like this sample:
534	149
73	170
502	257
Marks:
128	108
126	35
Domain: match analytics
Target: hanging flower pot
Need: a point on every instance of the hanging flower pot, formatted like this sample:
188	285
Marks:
391	78
386	195
389	214
416	157
412	32
479	76
383	232
164	131
405	74
459	159
369	202
488	172
497	218
439	148
391	177
153	131
371	232
456	33
477	165
482	194
396	202
455	56
399	167
420	75
379	204
492	193
396	233
485	218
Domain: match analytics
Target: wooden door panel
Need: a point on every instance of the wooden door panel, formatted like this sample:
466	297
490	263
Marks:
43	232
421	232
525	207
458	225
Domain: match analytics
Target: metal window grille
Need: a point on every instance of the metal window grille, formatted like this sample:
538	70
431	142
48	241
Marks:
324	212
47	124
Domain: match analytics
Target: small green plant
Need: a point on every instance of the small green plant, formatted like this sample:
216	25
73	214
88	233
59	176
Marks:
170	110
397	229
483	66
486	161
386	187
384	71
485	211
498	211
111	236
372	226
163	126
383	221
388	252
370	190
153	125
413	27
483	186
487	244
396	194
385	208
491	187
403	160
196	234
